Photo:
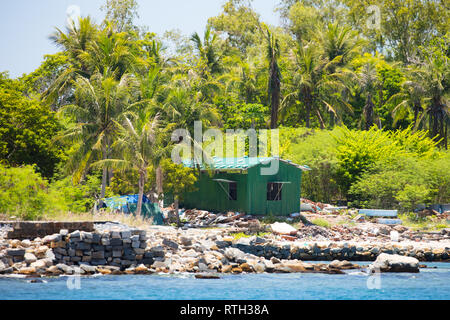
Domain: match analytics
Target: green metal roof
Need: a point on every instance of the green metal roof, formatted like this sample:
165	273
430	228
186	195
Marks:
242	163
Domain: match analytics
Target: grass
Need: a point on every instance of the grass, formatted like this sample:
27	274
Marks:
269	219
347	223
430	223
129	220
240	235
321	223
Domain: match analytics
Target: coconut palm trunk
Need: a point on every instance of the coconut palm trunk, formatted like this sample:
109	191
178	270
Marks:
104	176
308	104
141	192
368	112
177	205
159	181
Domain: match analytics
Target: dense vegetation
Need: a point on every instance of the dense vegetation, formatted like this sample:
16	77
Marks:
364	105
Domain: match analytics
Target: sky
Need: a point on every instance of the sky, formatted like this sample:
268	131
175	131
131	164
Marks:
25	25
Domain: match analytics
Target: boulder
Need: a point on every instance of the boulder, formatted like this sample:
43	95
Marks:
30	258
141	269
186	241
54	270
395	263
65	268
171	244
343	265
15	252
27	270
207	276
26	243
234	254
39	264
283	228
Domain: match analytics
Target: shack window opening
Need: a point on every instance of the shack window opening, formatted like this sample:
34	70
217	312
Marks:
232	191
274	191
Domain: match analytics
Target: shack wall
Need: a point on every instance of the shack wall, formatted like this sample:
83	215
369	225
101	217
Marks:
290	194
210	196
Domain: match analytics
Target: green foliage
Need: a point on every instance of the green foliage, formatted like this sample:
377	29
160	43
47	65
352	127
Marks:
240	235
315	149
403	182
375	168
78	198
430	223
27	129
357	151
412	195
23	192
245	116
318	70
321	223
177	178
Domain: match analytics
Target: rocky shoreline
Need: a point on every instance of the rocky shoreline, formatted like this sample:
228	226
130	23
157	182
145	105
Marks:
118	249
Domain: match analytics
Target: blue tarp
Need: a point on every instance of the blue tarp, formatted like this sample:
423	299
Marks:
128	204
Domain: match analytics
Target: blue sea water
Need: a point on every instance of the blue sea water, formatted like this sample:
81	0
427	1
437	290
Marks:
429	284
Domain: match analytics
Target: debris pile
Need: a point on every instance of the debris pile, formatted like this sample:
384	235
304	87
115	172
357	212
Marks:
319	207
194	218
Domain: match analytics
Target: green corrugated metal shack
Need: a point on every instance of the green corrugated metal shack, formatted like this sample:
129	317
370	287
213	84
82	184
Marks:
236	184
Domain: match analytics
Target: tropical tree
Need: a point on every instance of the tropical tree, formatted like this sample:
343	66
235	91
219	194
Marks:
207	50
122	12
138	144
274	86
178	180
435	75
410	99
27	128
340	44
368	83
100	102
313	85
74	43
90	50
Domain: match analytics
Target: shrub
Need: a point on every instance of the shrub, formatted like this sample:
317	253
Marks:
23	192
76	198
322	223
315	149
373	168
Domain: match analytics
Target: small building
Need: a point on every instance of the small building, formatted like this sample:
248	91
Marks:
241	185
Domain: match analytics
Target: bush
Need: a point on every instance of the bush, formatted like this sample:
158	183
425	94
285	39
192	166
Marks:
375	168
28	196
315	149
23	192
403	183
78	198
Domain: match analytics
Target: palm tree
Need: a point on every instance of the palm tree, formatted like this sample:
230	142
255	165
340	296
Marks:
74	43
274	87
313	85
182	106
435	75
138	145
368	83
208	51
410	99
339	44
89	51
99	103
109	53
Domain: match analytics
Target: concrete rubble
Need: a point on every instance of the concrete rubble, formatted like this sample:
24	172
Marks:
116	249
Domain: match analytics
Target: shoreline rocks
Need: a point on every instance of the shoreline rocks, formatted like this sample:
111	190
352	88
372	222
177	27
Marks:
394	263
119	250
